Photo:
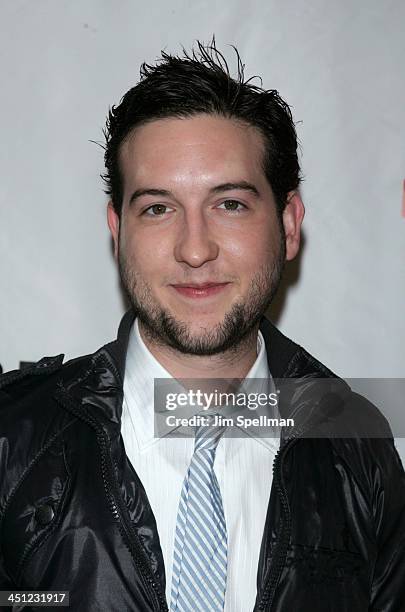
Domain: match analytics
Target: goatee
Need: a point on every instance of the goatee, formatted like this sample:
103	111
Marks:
162	327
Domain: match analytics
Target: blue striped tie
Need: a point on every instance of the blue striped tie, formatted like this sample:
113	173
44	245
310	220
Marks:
200	546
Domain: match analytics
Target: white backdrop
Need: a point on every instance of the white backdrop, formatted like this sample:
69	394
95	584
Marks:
340	64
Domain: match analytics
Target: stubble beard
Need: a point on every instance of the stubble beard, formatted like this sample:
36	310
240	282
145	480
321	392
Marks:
164	328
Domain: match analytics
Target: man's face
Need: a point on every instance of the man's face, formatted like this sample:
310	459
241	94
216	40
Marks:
199	243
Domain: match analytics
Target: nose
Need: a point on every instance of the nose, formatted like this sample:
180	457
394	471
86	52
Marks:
195	244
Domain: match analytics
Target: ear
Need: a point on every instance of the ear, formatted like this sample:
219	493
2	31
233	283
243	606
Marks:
113	221
293	215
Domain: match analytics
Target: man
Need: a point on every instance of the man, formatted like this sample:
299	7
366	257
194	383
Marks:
203	177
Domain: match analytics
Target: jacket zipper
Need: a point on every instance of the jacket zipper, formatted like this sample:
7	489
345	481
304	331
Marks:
139	556
269	590
278	563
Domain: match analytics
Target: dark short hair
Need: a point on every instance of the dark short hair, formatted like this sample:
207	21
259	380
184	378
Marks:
200	82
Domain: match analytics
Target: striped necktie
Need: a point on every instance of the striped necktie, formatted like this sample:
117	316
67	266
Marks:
200	546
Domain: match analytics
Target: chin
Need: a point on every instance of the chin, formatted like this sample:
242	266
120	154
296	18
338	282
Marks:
198	325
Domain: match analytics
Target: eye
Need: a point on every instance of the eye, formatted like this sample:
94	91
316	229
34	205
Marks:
233	206
156	210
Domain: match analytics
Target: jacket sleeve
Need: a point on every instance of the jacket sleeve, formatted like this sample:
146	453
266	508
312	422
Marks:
5	582
388	585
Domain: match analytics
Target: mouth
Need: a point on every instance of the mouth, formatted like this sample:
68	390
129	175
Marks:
195	290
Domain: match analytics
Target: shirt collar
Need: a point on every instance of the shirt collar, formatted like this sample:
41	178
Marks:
141	368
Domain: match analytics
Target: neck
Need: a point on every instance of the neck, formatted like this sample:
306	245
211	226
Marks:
233	363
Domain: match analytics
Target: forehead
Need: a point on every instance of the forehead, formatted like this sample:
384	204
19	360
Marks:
202	148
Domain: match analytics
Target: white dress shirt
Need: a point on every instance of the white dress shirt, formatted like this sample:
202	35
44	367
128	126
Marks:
243	467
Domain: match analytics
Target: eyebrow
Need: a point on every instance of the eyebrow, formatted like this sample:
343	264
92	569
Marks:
153	192
240	185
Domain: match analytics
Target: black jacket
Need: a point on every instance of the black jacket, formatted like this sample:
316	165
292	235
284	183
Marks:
74	515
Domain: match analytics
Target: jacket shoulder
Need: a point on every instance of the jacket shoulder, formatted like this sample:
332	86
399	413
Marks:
46	365
28	408
30	417
286	358
44	373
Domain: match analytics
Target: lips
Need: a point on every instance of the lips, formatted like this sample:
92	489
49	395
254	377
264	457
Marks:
199	285
199	290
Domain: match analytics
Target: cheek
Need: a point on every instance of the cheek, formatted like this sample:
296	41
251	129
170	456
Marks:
144	252
252	248
268	240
